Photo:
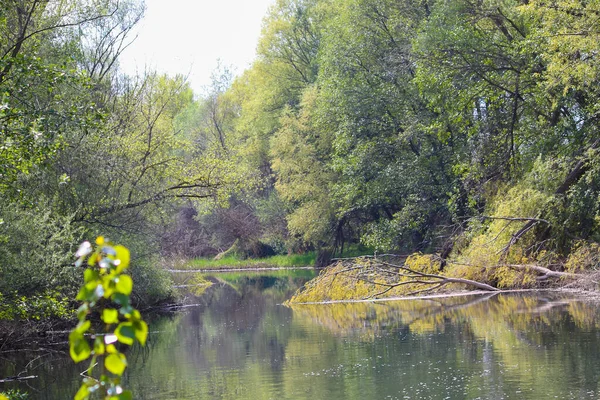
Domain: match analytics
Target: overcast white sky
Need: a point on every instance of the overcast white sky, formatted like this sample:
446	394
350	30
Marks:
188	36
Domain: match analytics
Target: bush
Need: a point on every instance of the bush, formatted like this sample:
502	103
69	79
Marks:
47	305
153	284
14	395
486	243
36	248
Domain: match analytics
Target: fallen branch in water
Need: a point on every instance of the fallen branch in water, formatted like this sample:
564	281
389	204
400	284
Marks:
368	278
546	272
411	276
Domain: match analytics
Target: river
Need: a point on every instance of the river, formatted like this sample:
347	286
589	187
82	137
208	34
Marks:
236	341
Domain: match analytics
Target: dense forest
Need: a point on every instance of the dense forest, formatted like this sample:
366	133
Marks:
459	128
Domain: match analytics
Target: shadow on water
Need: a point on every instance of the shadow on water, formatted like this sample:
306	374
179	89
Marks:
239	342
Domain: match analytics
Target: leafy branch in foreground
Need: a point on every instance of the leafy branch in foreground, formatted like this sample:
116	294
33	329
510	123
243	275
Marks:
107	291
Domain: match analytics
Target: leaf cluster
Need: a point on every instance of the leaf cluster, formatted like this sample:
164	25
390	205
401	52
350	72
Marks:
106	290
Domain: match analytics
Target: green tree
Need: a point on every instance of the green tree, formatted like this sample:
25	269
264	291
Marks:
301	159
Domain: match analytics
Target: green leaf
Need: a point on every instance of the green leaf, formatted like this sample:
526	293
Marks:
82	394
82	311
135	315
121	299
124	284
82	327
141	331
110	316
90	275
99	347
126	395
79	348
84	294
90	292
123	255
125	333
116	363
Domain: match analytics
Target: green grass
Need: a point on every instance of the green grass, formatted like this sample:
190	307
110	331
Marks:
281	261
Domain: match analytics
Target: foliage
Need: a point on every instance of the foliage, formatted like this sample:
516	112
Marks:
400	125
13	395
425	125
153	282
362	278
43	93
300	153
105	280
585	256
35	244
330	285
490	242
37	307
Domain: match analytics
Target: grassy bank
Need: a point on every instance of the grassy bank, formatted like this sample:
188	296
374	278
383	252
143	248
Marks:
280	261
233	262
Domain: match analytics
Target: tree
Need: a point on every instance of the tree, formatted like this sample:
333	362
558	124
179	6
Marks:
301	155
44	93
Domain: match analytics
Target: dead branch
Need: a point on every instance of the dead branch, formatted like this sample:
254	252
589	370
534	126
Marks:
516	219
546	272
414	278
17	378
518	235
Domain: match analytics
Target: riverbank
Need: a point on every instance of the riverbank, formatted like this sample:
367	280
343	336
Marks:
233	263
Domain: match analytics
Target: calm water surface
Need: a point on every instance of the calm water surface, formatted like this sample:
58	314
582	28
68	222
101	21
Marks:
236	341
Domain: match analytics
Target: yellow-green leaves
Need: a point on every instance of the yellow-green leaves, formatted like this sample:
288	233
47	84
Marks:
105	279
125	333
124	284
81	394
79	348
141	331
110	316
116	363
122	254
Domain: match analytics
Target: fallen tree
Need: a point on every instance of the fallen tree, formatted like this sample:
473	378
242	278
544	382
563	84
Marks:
372	277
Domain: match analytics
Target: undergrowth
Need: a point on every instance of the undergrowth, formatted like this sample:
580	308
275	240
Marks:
39	307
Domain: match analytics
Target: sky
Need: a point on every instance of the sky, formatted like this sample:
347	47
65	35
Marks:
189	37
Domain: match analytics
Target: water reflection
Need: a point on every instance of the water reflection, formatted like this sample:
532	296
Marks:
239	342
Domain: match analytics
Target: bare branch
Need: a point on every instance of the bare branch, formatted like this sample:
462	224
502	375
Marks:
516	219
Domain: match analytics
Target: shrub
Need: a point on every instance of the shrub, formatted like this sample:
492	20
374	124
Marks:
36	247
153	283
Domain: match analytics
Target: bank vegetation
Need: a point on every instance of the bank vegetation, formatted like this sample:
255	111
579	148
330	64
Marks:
461	134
